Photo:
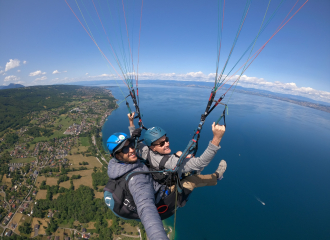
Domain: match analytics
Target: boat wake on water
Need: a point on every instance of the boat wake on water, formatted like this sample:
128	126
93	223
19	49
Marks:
258	199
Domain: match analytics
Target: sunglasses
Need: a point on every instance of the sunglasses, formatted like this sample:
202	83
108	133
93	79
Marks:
126	148
161	144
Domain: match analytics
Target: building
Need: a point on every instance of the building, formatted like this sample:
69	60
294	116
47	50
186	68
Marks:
8	233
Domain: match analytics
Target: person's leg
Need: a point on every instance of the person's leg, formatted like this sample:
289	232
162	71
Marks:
199	180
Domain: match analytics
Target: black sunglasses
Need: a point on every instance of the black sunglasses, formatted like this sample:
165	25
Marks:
126	148
161	144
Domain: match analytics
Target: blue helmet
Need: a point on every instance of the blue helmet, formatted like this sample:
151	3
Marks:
153	134
116	141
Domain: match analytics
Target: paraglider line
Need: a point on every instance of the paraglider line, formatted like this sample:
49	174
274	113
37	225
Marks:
236	38
219	42
129	44
94	41
260	49
108	39
137	71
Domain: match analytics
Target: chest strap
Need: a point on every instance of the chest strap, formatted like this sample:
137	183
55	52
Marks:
162	162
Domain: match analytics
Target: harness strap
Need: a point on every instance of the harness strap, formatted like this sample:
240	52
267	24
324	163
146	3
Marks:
162	161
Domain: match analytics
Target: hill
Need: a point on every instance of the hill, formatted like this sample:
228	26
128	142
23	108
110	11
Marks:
12	85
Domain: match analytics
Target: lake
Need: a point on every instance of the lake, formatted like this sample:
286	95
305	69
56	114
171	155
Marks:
277	153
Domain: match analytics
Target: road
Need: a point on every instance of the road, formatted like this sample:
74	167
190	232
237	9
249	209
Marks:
94	142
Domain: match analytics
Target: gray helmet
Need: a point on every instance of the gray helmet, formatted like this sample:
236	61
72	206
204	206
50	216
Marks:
153	134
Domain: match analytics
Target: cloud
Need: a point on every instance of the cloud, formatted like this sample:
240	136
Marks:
11	78
2	71
37	73
41	78
286	88
12	64
56	72
65	71
245	81
24	62
18	70
86	74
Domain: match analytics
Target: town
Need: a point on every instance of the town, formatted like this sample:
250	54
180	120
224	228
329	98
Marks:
58	151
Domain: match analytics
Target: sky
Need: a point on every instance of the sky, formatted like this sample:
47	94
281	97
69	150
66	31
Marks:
43	43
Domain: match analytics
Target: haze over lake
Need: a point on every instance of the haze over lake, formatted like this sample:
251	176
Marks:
277	181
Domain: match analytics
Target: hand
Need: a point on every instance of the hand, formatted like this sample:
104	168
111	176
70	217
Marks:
137	133
218	132
179	153
131	119
131	116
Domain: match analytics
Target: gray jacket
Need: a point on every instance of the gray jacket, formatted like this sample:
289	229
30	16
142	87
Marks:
143	189
188	164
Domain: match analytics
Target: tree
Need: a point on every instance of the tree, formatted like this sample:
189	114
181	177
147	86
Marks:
25	228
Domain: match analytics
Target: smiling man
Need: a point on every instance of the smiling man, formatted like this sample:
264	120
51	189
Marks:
139	200
158	152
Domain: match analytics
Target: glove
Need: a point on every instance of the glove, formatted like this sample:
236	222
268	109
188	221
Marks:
137	133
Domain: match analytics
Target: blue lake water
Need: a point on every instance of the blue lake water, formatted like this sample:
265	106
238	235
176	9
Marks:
277	153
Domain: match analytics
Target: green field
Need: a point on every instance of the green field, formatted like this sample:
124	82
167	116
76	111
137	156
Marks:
23	160
84	141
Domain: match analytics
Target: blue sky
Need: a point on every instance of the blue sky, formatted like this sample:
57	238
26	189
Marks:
43	43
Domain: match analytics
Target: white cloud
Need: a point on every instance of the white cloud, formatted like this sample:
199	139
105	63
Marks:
41	78
286	88
11	78
56	72
65	71
12	64
24	62
18	70
1	71
37	73
245	81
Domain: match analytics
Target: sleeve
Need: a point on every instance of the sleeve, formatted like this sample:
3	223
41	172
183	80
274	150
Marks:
141	188
195	163
131	129
142	149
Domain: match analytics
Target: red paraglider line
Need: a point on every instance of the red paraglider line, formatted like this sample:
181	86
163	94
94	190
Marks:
260	49
288	14
95	42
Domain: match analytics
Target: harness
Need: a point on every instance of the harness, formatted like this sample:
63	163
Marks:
160	176
125	207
